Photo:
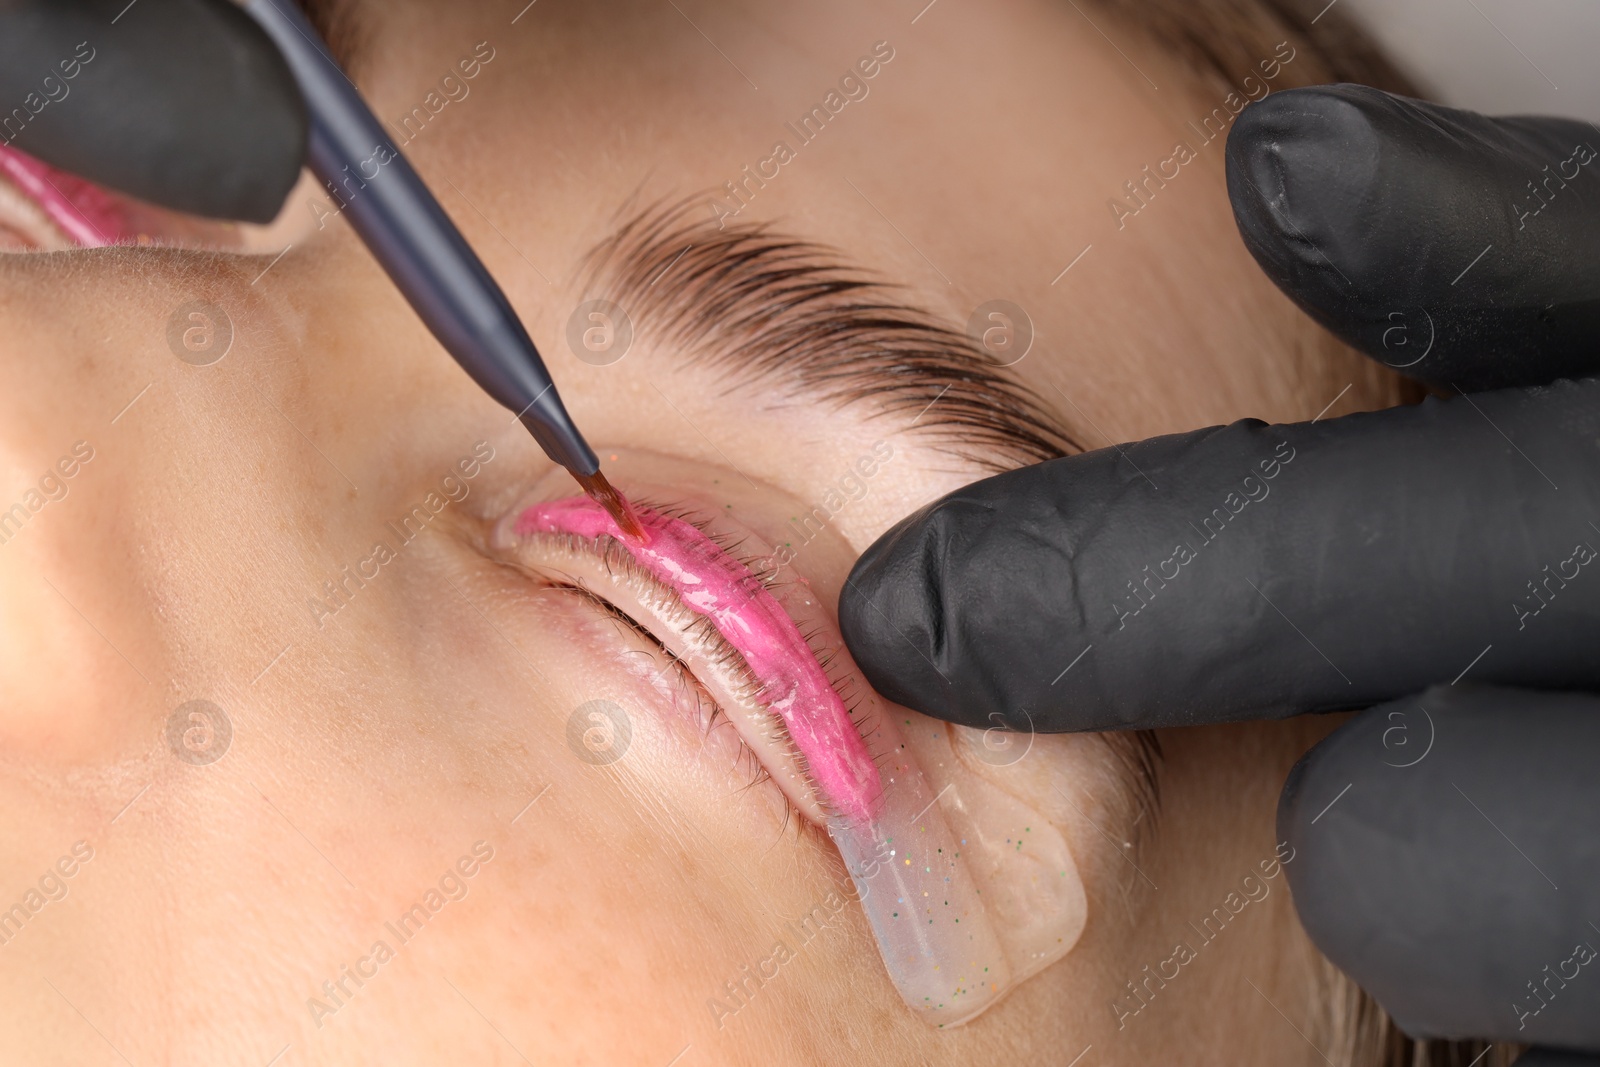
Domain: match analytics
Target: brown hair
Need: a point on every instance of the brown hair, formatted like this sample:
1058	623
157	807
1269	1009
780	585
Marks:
1229	37
1226	39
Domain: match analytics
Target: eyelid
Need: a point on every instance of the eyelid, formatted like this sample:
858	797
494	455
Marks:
670	606
688	636
711	718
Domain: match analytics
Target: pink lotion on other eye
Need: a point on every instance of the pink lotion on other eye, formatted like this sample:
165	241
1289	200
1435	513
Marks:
749	618
84	212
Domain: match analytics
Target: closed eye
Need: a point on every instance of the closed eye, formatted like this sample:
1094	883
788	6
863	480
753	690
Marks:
678	670
694	652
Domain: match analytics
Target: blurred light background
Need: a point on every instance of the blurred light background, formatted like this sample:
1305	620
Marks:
1497	56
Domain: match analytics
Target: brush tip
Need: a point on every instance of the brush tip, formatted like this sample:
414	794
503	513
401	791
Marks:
602	492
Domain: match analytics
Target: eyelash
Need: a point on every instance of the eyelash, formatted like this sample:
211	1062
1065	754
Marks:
700	630
755	565
712	712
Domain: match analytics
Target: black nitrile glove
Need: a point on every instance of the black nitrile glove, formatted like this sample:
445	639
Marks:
1448	842
183	103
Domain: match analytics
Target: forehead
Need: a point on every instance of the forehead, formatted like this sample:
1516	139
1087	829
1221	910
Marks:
1017	152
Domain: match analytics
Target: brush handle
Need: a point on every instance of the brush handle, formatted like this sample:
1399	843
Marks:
415	242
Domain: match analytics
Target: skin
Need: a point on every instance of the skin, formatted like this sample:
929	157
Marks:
369	754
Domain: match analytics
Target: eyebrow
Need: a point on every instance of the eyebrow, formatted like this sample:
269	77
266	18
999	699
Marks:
769	310
772	310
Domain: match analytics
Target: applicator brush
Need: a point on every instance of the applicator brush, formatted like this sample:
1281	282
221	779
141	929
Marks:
601	492
411	237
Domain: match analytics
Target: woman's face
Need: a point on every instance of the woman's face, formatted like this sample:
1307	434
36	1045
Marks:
276	675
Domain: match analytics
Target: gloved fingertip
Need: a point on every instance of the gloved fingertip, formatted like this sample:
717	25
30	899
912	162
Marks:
891	614
1301	165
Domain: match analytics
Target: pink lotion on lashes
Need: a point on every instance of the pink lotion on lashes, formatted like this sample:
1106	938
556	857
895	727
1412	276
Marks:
749	618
